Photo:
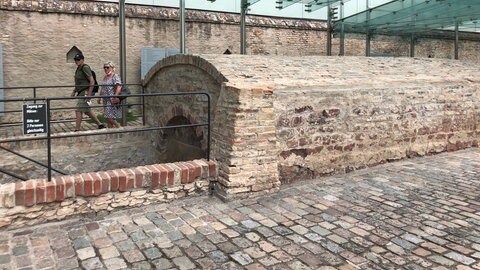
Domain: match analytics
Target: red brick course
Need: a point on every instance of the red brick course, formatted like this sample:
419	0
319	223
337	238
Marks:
39	191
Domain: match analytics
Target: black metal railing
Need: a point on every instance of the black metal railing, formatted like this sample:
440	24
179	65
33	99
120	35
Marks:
49	137
34	91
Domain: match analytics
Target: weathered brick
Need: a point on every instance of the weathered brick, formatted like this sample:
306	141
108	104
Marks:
97	184
69	186
30	186
50	191
20	193
130	178
105	179
122	180
59	188
88	184
194	171
155	175
212	172
79	185
170	174
138	178
114	180
183	172
40	191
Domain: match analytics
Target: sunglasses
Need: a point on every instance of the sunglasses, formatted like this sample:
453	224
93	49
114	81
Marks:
106	67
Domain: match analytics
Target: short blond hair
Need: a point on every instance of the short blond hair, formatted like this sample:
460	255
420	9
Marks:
110	64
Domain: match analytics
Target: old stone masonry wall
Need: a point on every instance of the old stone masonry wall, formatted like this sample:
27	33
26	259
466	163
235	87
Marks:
289	118
334	130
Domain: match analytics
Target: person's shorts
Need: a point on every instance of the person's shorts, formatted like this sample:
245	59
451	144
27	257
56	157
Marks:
82	106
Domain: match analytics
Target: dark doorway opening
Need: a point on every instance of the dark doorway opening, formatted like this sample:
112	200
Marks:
181	144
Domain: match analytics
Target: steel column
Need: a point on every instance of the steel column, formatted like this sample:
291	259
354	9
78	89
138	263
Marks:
342	29
182	26
123	55
456	40
329	30
412	45
49	143
243	26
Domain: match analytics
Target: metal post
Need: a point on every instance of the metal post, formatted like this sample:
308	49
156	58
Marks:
367	44
123	56
209	138
342	29
182	26
329	31
456	40
412	45
49	144
243	23
369	36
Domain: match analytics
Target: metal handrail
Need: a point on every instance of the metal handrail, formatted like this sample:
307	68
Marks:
49	136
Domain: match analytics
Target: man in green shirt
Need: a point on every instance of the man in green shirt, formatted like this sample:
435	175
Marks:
83	87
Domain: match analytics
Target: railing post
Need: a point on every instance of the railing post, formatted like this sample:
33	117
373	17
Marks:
35	95
143	106
49	143
209	128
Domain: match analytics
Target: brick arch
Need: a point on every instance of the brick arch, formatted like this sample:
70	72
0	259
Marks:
179	110
184	143
185	59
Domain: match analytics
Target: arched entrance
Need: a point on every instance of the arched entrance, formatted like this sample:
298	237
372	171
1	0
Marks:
181	144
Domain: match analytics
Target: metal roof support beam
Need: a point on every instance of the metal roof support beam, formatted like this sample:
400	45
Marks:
456	40
412	45
329	31
367	44
123	54
182	26
243	26
412	36
342	29
368	37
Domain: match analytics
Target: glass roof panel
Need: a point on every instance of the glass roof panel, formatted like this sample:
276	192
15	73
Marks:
414	16
251	2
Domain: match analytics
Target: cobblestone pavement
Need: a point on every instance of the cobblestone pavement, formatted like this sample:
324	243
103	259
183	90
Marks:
421	213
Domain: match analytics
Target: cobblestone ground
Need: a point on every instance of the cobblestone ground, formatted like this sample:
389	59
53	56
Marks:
421	213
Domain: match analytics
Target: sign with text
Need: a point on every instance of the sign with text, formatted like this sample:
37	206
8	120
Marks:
34	118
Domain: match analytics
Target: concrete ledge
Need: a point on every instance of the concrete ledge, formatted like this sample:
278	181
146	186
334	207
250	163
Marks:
38	200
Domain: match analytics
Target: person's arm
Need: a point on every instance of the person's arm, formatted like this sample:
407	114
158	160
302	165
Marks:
90	87
91	82
118	89
100	99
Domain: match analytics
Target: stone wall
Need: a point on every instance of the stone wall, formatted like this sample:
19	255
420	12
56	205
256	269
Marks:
39	201
244	142
287	118
243	125
329	131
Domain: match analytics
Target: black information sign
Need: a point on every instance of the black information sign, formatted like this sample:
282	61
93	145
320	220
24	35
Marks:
34	118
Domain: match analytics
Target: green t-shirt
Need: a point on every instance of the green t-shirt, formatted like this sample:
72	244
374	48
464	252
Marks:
81	78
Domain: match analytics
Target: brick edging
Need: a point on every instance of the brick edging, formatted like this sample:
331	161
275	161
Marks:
38	191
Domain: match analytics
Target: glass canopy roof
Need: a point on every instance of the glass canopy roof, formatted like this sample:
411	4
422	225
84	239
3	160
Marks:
404	17
399	17
395	17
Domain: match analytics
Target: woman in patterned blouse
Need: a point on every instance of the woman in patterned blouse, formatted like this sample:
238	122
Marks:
111	86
